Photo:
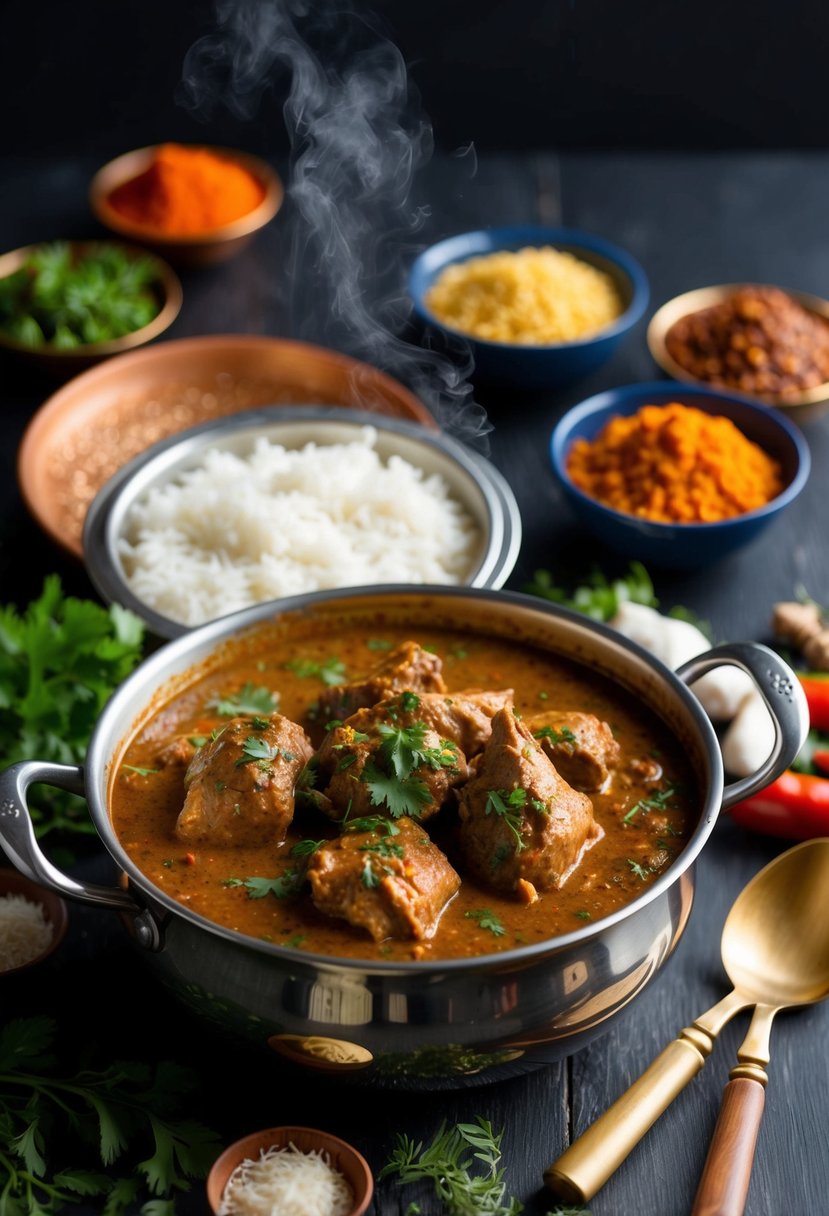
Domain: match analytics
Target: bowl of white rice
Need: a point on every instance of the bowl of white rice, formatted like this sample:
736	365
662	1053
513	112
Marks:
278	502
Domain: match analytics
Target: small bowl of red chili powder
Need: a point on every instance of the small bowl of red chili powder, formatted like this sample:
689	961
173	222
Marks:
196	205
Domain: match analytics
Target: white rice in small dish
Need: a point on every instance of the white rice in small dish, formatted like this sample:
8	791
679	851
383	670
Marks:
233	530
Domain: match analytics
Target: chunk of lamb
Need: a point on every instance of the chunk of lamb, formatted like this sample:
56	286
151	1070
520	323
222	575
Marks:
465	717
580	746
522	829
240	785
390	885
408	666
382	755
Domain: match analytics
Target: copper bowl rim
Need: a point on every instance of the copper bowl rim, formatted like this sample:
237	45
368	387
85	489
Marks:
130	164
169	292
704	297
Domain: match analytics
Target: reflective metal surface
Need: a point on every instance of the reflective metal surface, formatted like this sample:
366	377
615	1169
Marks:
425	1025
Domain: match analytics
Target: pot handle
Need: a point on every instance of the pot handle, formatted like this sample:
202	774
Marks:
786	702
17	836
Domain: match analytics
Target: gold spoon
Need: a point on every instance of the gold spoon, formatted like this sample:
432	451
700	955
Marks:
775	950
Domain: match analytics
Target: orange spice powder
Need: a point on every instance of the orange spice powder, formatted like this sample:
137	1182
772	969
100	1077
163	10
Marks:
187	191
674	464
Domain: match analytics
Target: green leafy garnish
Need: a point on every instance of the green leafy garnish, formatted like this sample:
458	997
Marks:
406	796
127	1108
250	701
367	875
402	750
331	672
383	848
640	871
598	598
255	749
658	802
582	915
565	735
378	644
304	848
449	1161
60	659
142	772
371	823
487	920
508	806
65	298
284	887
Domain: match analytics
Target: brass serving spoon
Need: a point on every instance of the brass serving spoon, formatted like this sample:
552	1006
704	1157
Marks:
775	950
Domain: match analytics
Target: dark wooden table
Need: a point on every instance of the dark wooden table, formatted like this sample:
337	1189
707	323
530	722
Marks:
690	220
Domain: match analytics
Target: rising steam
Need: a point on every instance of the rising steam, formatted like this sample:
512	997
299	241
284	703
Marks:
357	137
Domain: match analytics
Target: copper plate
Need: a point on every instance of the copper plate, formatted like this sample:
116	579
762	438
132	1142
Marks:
97	422
800	407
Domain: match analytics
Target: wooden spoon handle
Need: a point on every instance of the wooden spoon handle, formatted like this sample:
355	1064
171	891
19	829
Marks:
724	1183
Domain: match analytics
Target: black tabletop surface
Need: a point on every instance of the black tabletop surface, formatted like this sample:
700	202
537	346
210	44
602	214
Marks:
690	220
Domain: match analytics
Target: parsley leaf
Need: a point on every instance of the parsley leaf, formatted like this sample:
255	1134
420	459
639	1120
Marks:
565	735
142	772
640	871
304	848
371	823
60	659
250	701
383	848
283	887
598	598
402	797
331	672
367	876
487	920
254	748
124	1108
508	805
658	802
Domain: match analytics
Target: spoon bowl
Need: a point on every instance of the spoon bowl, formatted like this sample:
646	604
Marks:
775	950
775	942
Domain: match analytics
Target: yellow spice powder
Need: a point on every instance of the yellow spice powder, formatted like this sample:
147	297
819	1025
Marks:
530	297
675	464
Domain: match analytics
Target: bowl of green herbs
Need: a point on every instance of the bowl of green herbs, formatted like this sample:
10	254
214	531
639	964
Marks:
68	304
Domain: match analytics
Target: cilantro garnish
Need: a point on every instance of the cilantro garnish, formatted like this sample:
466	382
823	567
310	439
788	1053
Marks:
402	796
383	848
371	823
60	659
250	701
331	672
640	871
119	1114
598	598
500	856
287	884
486	920
507	805
565	735
378	644
142	772
658	802
367	876
304	848
254	749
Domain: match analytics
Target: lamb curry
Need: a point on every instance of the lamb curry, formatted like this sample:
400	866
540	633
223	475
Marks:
377	794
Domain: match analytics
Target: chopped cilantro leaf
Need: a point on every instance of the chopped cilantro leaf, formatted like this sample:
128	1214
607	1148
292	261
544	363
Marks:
565	735
378	644
507	805
371	823
249	701
256	749
384	848
304	848
142	772
640	871
658	802
402	797
486	920
283	887
367	875
331	672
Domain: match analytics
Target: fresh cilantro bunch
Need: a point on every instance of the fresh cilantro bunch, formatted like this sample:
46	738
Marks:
114	1115
59	662
63	299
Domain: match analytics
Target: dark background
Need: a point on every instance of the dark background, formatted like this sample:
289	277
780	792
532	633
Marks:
99	76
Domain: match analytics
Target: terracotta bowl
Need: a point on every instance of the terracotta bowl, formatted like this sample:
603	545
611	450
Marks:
54	909
343	1157
92	426
201	249
800	407
64	363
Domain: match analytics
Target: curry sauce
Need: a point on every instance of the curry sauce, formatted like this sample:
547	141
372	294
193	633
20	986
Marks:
647	809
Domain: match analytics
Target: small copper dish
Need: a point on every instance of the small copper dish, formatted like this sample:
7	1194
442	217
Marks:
199	249
342	1156
65	363
12	882
800	407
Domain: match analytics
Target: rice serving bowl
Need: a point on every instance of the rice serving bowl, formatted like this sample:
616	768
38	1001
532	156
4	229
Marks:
282	502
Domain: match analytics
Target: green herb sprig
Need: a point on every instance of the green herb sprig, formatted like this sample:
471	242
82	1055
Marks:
508	805
449	1161
60	659
111	1115
250	701
331	672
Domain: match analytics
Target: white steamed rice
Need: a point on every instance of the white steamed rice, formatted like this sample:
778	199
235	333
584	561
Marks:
234	531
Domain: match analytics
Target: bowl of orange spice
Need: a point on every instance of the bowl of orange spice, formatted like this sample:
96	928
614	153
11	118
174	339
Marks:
196	205
677	476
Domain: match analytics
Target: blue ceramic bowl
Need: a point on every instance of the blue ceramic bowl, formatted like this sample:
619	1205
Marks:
680	546
553	364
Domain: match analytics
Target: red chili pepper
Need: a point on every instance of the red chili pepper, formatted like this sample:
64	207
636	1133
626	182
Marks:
821	760
796	806
816	689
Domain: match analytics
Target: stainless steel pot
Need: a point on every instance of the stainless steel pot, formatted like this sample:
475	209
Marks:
426	1025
